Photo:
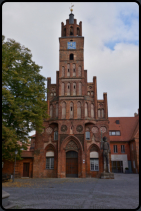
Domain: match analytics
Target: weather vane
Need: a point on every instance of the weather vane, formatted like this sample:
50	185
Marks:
71	8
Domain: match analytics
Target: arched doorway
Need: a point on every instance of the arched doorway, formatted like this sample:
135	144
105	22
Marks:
71	164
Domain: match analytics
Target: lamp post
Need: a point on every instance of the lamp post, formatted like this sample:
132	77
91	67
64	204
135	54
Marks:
16	151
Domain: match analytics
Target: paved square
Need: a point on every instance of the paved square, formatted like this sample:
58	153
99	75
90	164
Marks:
75	193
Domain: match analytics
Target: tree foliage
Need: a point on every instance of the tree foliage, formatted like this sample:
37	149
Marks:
23	97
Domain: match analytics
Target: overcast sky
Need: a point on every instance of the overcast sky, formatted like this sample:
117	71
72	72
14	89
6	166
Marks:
111	44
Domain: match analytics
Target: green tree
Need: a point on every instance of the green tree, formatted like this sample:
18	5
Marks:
24	105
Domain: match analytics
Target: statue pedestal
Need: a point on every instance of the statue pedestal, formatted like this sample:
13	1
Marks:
106	175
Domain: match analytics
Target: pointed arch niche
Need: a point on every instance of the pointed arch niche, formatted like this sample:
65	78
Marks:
71	110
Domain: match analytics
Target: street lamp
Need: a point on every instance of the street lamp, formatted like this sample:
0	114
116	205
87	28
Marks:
16	151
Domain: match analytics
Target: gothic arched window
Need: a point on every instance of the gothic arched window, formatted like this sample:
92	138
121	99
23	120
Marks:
80	88
74	71
63	88
74	88
64	31
79	71
92	110
56	109
63	110
71	110
86	109
51	108
68	71
68	88
94	161
71	30
63	71
100	113
78	31
78	110
50	160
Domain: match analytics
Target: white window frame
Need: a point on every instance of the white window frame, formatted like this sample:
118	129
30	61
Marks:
115	148
49	162
94	164
122	148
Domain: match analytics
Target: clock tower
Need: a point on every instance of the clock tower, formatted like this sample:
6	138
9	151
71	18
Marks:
71	58
77	120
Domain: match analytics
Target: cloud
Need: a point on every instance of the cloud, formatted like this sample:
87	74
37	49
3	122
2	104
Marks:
111	51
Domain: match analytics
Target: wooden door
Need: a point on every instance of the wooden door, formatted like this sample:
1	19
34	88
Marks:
71	164
25	169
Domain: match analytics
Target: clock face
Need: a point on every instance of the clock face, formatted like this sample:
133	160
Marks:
71	45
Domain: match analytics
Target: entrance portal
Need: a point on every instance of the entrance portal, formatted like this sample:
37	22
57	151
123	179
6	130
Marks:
71	164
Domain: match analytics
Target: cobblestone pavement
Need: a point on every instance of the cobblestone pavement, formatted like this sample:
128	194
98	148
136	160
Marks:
75	193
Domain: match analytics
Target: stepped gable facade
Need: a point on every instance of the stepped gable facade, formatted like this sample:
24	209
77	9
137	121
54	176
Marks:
72	135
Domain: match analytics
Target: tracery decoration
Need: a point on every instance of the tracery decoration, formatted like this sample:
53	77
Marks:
79	128
95	130
63	128
49	130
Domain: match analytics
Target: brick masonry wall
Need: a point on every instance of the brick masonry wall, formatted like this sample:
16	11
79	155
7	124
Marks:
9	167
127	148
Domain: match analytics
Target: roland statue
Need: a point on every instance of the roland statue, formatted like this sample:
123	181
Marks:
106	149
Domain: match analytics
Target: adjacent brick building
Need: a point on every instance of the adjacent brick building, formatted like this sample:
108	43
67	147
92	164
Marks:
124	143
69	146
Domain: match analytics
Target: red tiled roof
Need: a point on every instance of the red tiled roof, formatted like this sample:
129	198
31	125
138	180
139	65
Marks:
27	154
127	126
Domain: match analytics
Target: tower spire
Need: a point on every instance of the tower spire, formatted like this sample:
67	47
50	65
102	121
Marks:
71	7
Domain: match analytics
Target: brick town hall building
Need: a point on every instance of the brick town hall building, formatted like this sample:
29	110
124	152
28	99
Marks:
69	146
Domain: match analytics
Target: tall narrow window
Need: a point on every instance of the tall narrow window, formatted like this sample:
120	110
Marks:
92	110
50	160
71	30
100	113
74	88
74	71
78	110
51	107
68	71
56	134
80	88
56	109
68	89
77	31
71	110
63	71
79	71
63	88
71	56
86	109
94	161
87	135
63	110
64	31
115	148
122	148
